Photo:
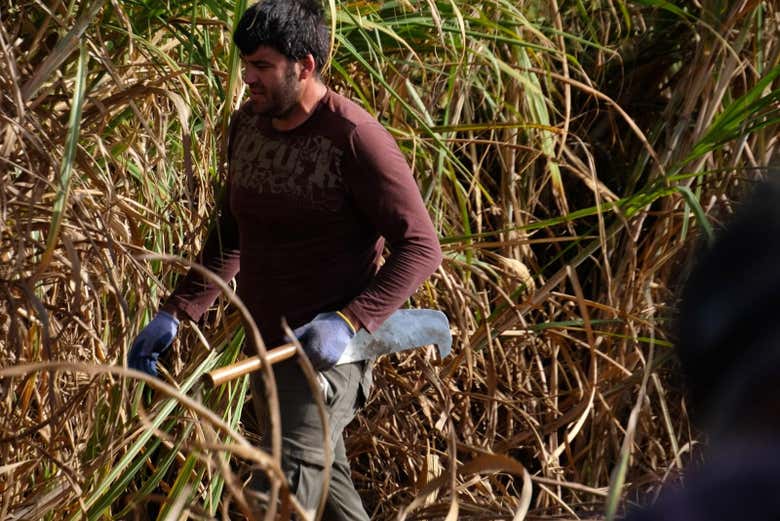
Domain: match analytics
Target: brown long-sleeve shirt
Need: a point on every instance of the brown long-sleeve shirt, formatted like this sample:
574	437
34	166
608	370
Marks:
305	218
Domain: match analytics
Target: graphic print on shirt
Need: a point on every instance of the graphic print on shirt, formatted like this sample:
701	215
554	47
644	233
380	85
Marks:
306	169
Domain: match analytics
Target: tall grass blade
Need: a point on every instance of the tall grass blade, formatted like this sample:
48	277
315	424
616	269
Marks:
109	486
65	47
66	167
701	217
756	109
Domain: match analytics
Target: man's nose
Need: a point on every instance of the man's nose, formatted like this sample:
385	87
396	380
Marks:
249	75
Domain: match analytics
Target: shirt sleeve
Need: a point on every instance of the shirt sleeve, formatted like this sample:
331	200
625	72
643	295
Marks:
385	191
220	254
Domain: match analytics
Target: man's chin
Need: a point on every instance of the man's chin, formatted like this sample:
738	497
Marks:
271	110
261	106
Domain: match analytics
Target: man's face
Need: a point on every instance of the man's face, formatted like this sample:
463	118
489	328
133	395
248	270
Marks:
274	86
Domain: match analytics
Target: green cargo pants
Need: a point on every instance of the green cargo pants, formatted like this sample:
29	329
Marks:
346	389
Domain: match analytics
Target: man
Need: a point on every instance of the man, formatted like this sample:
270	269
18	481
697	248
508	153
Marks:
315	186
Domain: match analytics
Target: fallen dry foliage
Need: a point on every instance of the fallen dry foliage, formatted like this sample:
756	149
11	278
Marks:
572	160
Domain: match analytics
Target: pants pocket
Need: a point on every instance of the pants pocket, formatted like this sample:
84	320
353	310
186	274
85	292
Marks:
305	482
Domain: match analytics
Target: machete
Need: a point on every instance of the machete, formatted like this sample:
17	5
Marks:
404	329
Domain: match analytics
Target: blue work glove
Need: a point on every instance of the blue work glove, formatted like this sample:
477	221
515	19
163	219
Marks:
324	339
151	342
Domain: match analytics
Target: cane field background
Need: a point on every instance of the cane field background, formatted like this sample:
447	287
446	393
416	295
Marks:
574	156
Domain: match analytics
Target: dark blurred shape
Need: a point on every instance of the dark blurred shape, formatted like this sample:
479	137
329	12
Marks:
738	483
729	348
729	323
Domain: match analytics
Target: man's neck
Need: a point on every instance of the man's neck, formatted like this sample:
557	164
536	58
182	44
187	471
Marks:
311	94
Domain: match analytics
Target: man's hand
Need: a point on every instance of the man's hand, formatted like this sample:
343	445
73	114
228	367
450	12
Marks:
152	341
325	338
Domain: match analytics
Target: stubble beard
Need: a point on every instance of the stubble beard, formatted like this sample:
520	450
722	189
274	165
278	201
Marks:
285	97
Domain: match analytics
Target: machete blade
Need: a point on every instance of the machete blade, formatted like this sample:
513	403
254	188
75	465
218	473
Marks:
405	329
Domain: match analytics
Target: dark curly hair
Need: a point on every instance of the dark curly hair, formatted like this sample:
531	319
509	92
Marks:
294	28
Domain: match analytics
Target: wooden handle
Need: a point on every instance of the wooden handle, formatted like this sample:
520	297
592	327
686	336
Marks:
247	365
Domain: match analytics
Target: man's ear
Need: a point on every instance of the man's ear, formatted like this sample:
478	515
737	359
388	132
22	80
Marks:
308	67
